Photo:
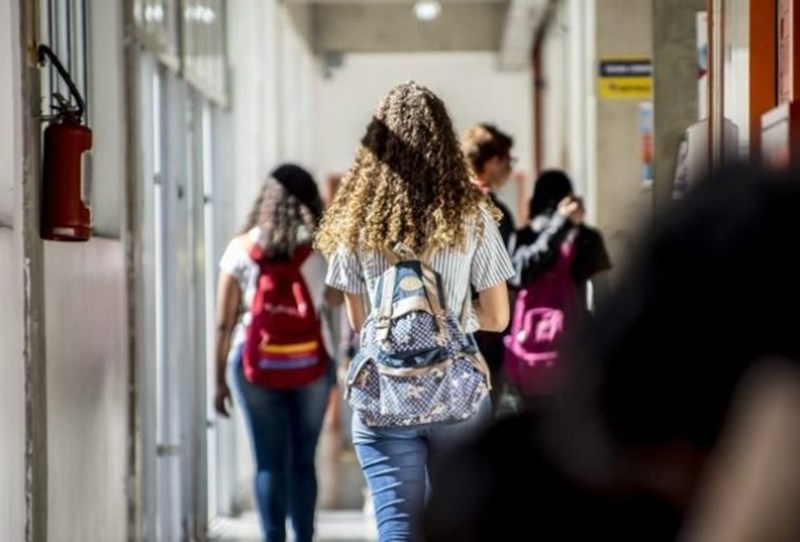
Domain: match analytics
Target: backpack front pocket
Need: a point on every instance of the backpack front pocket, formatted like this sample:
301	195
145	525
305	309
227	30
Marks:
449	391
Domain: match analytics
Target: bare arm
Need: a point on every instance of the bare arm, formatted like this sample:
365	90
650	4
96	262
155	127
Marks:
492	308
356	311
333	297
228	298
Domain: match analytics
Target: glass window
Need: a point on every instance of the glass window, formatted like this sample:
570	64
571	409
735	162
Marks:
68	37
204	50
157	26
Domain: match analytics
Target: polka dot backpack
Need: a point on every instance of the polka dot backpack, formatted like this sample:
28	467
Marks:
416	365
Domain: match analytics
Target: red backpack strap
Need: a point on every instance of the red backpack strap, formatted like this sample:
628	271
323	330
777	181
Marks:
301	254
255	251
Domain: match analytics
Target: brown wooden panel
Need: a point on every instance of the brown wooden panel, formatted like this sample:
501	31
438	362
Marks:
787	34
763	66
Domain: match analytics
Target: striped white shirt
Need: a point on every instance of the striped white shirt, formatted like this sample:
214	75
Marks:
484	263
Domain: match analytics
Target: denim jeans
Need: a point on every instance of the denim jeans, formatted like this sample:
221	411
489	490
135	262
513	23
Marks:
396	463
284	426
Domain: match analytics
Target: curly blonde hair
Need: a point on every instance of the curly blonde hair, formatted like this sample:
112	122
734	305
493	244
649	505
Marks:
409	182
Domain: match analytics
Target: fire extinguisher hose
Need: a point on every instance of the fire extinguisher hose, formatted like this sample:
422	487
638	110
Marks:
46	52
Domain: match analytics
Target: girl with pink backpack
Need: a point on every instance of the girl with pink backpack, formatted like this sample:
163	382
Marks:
554	257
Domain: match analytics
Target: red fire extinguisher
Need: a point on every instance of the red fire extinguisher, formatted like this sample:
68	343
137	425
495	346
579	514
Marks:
65	216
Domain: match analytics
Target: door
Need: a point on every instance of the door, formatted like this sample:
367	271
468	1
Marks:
171	319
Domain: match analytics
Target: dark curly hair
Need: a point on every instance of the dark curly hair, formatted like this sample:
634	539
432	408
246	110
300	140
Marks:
409	182
285	221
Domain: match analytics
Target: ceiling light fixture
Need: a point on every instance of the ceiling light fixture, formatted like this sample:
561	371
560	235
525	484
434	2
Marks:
427	10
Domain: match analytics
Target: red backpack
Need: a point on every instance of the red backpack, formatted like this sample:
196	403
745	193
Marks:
283	344
543	311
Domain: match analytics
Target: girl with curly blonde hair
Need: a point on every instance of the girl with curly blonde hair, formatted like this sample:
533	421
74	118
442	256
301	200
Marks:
410	185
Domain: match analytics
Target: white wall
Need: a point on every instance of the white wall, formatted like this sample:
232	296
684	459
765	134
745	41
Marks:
469	83
12	415
568	107
273	71
298	68
254	70
9	102
87	390
554	99
85	342
86	330
107	84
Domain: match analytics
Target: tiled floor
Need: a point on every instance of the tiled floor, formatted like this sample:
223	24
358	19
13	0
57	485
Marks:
341	496
332	526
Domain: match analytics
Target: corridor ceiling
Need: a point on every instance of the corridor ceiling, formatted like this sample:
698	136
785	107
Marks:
346	26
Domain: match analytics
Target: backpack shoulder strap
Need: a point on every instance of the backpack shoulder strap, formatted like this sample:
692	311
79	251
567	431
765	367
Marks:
385	303
463	318
427	255
429	279
392	257
258	255
301	254
401	252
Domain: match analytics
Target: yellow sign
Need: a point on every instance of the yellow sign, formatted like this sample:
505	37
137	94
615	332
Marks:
625	78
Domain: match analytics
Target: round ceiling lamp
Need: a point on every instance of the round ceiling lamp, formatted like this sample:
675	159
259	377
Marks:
427	10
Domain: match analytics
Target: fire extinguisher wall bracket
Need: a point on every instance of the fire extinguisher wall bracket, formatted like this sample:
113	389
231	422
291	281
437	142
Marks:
64	214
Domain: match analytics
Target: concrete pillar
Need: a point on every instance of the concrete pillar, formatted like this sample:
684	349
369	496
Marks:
675	61
623	202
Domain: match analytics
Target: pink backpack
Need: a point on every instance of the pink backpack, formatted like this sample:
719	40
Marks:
542	312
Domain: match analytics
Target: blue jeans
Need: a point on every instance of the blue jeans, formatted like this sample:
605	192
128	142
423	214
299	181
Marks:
283	426
396	461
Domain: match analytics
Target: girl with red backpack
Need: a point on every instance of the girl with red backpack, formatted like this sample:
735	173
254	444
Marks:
270	342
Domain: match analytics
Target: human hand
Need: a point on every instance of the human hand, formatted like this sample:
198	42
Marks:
571	208
578	216
222	400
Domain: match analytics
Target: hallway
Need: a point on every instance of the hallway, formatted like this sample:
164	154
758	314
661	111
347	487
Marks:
341	516
107	344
